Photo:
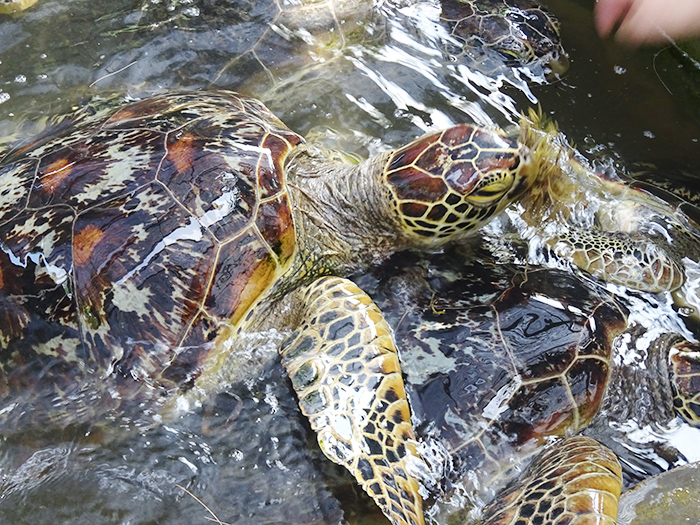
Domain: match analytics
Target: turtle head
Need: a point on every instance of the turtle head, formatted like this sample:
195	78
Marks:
521	34
445	185
530	35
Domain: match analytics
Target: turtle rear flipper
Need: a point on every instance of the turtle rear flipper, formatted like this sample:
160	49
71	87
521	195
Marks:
621	258
344	367
577	481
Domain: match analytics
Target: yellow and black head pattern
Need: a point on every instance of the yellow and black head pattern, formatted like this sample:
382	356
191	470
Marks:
446	185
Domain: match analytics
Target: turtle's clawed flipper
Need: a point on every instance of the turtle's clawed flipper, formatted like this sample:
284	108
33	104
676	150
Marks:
344	367
621	258
577	481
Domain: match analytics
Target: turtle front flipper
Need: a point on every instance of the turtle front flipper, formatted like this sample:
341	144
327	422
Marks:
630	260
345	369
577	481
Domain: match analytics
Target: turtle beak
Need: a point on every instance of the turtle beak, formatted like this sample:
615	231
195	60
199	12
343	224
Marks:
557	67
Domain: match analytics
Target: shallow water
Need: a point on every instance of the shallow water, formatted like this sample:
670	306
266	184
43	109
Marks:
258	462
637	104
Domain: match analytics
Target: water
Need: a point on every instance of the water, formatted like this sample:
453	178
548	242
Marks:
635	105
257	462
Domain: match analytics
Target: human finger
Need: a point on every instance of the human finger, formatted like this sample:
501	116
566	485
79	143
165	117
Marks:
609	13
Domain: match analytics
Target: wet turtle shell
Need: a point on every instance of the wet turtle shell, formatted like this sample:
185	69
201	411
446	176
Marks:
102	286
501	361
674	186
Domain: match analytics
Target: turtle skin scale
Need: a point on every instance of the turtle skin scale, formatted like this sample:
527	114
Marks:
140	243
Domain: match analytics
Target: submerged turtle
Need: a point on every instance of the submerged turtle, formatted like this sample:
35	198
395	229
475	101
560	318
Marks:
478	33
632	230
142	245
267	36
500	360
679	216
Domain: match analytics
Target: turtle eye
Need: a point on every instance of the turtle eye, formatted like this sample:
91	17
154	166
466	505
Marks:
491	190
514	51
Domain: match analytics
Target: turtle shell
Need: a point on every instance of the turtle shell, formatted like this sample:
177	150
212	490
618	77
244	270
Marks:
133	239
497	360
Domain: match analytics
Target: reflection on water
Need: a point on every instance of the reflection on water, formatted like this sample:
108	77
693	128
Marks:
246	456
633	104
140	46
257	461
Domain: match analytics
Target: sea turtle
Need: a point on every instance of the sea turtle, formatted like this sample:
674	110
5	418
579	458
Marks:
521	31
251	45
141	246
502	360
670	209
634	230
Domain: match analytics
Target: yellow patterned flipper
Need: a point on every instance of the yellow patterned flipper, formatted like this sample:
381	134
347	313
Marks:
344	367
577	481
621	258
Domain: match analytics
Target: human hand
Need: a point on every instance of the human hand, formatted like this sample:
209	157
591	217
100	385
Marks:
648	21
